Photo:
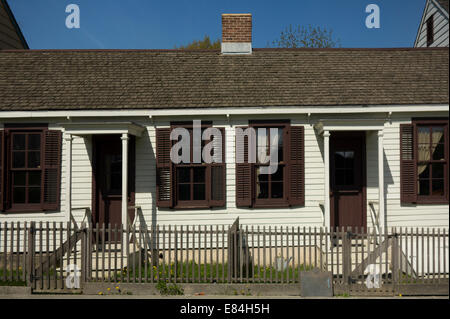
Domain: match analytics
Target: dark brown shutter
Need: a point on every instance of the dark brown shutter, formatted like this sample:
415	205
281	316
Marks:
243	177
296	166
218	177
164	195
408	184
52	169
2	169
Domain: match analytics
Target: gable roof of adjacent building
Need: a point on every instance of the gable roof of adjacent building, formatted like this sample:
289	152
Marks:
11	36
160	79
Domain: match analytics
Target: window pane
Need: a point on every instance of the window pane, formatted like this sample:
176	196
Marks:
423	150
262	190
438	187
280	145
339	159
339	178
19	195
349	177
199	192
18	141
19	178
34	195
261	177
199	174
34	159
349	159
183	175
34	178
438	170
424	187
423	135
438	152
34	142
423	171
278	175
184	192
277	189
18	159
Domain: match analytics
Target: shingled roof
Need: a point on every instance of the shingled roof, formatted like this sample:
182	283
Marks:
160	79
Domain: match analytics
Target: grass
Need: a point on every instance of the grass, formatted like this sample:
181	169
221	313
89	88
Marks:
215	273
14	281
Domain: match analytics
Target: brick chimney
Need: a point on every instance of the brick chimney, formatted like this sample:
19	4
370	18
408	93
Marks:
237	33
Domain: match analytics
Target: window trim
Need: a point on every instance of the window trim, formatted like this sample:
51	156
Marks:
9	130
272	202
208	203
430	199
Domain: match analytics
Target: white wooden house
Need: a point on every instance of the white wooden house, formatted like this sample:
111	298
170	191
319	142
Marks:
433	28
365	134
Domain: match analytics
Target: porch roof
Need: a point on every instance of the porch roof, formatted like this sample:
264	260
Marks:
91	128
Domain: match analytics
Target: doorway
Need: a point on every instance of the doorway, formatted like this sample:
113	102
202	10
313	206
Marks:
107	180
348	180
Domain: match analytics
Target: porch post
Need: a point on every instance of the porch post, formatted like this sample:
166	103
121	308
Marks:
381	215
125	179
326	152
68	159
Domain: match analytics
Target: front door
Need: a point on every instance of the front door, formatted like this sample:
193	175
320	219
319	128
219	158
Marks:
347	180
108	180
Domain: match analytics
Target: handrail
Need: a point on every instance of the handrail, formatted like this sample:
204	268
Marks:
374	216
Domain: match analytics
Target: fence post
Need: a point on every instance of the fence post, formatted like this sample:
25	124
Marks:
31	239
84	254
346	258
395	261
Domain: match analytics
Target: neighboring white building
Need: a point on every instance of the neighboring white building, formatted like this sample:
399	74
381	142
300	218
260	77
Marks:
433	28
365	135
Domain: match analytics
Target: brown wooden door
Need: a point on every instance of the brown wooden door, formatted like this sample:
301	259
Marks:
347	179
107	180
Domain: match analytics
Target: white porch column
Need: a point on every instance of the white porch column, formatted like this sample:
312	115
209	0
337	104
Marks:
326	154
381	214
68	172
125	179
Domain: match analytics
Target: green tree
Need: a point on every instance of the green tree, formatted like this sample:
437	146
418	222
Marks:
305	37
201	44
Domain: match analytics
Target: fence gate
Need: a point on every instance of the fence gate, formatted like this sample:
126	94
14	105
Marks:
56	256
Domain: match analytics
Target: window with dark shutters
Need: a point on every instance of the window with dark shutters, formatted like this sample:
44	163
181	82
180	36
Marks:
30	168
189	185
408	192
424	161
286	187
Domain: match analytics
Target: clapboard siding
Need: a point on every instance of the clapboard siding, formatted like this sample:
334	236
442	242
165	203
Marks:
309	215
441	31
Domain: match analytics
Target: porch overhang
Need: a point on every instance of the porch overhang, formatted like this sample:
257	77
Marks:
349	125
92	128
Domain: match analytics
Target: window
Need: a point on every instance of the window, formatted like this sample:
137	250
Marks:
430	30
285	186
431	161
30	166
424	161
189	185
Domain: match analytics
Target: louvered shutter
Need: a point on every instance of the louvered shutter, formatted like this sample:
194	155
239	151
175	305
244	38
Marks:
243	177
2	169
296	152
408	184
51	169
218	171
164	180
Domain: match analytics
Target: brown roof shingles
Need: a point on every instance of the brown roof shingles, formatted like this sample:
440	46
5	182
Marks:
158	79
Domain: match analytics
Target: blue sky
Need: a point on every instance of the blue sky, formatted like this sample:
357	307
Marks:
149	24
